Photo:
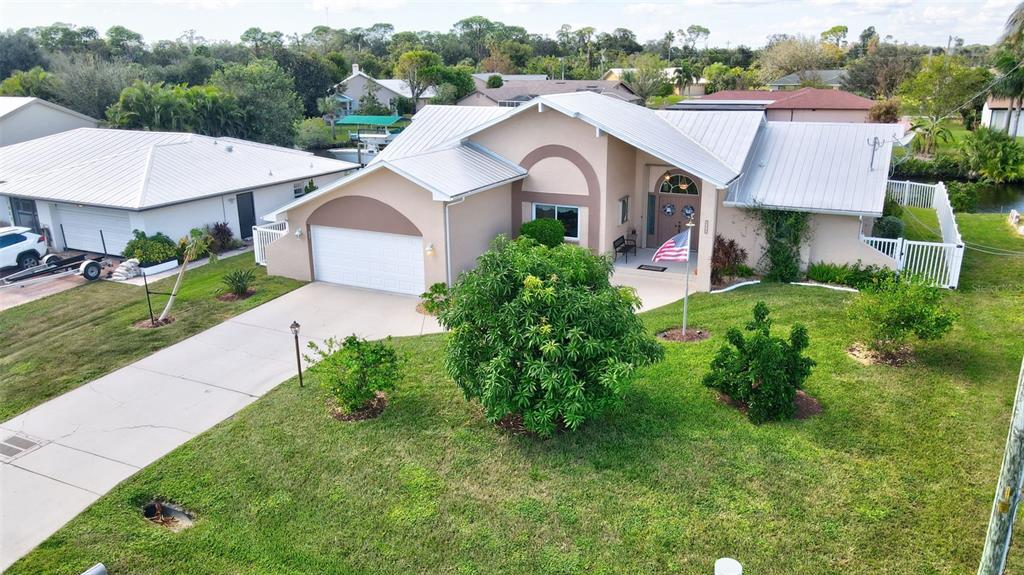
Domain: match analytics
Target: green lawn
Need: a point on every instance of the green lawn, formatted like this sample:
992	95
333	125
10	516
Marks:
57	343
921	224
895	476
986	271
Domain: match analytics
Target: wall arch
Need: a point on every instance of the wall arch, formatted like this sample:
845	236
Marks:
591	201
363	213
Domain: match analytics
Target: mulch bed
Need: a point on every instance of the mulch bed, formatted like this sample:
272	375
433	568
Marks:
369	411
861	354
692	334
233	297
806	406
513	424
146	324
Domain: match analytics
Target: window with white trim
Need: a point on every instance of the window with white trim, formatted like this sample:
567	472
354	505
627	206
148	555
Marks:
298	189
623	209
568	215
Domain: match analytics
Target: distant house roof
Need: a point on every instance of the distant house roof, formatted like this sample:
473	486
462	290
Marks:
827	77
12	104
484	76
802	99
670	73
525	90
358	120
994	103
140	170
817	167
396	85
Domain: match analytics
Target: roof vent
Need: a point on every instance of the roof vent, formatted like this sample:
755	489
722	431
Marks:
270	172
229	148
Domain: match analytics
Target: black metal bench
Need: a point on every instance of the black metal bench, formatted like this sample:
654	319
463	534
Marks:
623	246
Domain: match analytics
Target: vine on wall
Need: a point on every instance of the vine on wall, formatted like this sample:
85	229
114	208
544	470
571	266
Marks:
784	232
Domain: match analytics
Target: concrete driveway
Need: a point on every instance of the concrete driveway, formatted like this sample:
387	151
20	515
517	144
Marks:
69	451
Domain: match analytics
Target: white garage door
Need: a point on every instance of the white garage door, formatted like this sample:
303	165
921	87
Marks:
82	226
374	260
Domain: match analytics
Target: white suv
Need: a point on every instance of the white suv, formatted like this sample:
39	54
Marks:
20	247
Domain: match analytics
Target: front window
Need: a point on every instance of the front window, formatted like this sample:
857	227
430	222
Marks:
298	189
623	209
568	215
678	184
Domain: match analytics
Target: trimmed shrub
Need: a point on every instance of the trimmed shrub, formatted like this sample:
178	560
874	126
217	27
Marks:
544	231
885	111
855	276
897	308
238	282
889	227
892	208
541	333
221	237
353	370
963	196
727	259
150	250
761	370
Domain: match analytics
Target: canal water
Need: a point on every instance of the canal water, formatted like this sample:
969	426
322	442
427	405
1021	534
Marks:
1001	198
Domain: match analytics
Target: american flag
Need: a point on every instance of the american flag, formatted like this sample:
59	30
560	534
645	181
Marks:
676	249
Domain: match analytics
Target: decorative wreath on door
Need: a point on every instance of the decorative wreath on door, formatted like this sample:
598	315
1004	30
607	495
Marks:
668	209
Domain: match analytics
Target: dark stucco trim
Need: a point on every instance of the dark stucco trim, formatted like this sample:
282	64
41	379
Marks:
591	201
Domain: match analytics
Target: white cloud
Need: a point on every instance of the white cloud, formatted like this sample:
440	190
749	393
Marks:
201	4
342	6
651	9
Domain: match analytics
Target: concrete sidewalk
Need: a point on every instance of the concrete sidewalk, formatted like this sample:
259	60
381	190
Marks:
72	449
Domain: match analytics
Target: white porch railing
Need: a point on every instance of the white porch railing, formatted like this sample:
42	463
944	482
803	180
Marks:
937	261
263	236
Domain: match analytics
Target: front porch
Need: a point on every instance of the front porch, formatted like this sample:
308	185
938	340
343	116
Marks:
645	257
655	288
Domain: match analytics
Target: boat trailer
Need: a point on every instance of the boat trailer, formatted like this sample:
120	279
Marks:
54	266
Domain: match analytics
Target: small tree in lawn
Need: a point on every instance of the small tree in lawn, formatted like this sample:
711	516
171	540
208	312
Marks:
541	333
898	308
352	371
761	370
198	243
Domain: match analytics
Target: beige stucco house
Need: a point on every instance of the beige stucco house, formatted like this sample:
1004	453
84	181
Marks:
432	201
693	90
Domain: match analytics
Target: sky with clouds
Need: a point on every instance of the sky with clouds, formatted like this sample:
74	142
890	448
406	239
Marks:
731	22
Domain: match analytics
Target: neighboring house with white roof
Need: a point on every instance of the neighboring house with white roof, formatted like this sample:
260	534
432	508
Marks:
432	201
480	78
515	93
23	119
88	189
349	91
696	88
831	79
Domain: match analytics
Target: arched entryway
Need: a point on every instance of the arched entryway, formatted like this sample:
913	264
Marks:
675	195
363	242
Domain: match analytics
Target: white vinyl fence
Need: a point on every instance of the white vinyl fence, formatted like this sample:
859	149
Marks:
936	261
262	236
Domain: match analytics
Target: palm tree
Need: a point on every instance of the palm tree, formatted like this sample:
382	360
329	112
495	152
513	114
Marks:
1013	32
198	244
328	107
684	76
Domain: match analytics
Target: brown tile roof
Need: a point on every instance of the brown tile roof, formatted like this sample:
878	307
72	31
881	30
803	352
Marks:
998	103
802	99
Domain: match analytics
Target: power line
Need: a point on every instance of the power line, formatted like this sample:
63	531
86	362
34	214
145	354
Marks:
991	250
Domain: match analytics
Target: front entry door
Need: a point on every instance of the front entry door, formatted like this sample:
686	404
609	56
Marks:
246	215
675	193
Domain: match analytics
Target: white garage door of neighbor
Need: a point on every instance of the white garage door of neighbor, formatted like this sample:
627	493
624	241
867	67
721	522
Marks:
82	225
374	260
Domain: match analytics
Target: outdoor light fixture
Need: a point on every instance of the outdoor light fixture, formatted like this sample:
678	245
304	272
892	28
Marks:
298	233
298	358
429	250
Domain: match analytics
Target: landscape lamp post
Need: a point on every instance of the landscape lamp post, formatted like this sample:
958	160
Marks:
298	358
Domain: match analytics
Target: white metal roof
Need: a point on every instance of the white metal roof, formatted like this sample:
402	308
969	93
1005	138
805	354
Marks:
639	127
11	104
458	170
141	170
728	135
439	126
401	87
817	167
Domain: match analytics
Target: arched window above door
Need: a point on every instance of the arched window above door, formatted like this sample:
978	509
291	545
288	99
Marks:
678	184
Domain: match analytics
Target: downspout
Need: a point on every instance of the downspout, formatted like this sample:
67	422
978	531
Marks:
447	242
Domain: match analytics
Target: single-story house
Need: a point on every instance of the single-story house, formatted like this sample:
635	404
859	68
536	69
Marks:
88	189
424	209
696	88
996	115
832	79
24	119
480	78
517	92
349	91
803	105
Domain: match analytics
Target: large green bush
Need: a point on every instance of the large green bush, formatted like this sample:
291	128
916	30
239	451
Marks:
761	370
944	167
540	332
897	308
963	196
353	370
545	231
890	227
150	250
993	155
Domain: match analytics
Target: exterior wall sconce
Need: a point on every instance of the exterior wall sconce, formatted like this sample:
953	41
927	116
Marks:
429	250
298	233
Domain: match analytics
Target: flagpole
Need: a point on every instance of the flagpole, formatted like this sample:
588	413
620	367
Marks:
686	281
